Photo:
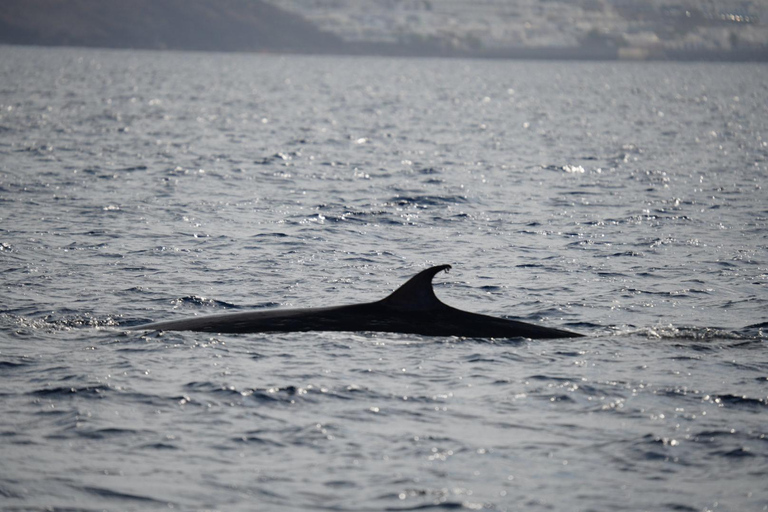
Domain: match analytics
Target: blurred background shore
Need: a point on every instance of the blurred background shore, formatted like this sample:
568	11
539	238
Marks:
540	29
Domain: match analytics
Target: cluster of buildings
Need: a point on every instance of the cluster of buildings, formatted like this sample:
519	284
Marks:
627	28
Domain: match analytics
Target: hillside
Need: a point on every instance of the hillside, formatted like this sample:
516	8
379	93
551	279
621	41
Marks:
210	25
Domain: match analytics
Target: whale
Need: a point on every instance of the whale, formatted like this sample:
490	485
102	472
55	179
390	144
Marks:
413	308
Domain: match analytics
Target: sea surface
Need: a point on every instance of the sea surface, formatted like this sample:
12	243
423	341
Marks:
625	201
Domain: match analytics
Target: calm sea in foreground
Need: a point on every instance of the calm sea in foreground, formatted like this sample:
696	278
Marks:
625	201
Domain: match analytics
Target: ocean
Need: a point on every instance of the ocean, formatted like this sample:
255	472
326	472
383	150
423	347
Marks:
622	200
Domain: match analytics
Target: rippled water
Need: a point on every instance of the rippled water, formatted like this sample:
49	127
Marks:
622	200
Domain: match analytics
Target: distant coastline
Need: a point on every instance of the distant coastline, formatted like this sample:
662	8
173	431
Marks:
258	26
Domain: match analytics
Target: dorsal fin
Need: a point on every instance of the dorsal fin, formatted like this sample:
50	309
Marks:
417	293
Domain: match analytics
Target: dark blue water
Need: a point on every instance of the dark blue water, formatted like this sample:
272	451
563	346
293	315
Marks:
625	201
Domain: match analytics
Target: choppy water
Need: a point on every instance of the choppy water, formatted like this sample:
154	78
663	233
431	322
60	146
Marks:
624	201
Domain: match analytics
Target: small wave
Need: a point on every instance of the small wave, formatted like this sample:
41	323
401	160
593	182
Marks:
12	365
194	300
258	437
210	387
680	508
275	235
446	505
54	323
631	254
278	157
158	446
117	495
6	492
738	453
567	168
105	433
680	333
652	447
63	391
755	332
134	168
736	400
426	201
711	435
289	393
286	394
552	378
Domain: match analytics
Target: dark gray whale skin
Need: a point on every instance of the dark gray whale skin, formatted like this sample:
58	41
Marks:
413	308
